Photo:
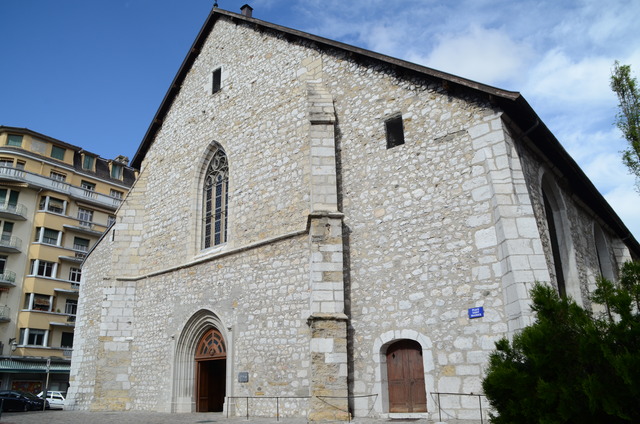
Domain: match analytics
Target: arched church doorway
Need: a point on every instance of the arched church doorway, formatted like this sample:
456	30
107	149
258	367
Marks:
405	377
211	371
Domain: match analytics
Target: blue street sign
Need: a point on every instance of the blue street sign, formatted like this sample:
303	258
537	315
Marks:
476	312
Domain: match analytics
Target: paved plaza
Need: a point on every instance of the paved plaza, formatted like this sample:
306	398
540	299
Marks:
78	417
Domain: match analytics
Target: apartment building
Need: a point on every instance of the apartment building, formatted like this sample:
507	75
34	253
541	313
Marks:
56	201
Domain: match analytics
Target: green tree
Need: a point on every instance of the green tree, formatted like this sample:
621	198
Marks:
628	119
571	366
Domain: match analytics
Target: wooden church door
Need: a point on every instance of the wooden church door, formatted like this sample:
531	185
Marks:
211	371
405	376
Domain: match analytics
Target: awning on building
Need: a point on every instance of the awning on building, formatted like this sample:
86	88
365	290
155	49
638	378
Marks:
33	367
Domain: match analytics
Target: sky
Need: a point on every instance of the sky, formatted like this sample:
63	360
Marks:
93	72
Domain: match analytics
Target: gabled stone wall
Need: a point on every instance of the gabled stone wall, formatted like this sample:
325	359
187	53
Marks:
337	245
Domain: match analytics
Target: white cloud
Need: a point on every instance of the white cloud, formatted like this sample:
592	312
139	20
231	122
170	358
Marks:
566	81
485	55
625	200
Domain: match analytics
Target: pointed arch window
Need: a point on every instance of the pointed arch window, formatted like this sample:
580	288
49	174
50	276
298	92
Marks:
216	198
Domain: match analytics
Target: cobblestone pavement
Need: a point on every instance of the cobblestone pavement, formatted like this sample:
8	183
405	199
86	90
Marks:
78	417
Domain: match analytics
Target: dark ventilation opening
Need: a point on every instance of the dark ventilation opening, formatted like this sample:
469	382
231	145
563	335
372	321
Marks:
217	77
395	131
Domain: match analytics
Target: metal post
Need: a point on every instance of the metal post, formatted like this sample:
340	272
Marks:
480	404
46	386
277	409
247	408
439	409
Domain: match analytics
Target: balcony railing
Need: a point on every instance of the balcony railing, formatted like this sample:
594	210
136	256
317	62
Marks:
5	314
18	211
8	279
47	183
10	244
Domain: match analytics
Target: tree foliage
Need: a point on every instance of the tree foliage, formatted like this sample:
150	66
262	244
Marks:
572	366
628	119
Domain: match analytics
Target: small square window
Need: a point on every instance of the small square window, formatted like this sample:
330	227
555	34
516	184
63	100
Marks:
395	131
57	176
87	162
117	194
87	186
116	171
14	140
217	80
57	152
20	164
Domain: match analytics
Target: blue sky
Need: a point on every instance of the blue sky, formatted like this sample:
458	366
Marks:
93	72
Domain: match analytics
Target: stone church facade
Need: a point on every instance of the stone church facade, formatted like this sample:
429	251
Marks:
320	223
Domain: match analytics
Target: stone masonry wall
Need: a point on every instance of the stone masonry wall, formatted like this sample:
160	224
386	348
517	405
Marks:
579	225
420	233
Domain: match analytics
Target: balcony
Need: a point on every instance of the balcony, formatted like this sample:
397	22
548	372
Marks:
74	289
10	244
5	314
77	258
83	228
16	212
78	193
8	279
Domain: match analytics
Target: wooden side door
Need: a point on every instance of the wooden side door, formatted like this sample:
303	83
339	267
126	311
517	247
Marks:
405	376
202	375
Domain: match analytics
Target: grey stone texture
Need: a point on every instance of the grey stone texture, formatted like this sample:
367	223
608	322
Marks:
337	246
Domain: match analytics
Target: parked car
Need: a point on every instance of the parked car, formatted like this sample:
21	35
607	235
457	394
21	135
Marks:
55	399
15	400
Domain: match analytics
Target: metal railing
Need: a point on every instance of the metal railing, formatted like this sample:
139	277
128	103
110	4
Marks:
8	277
5	313
18	209
479	396
58	186
11	242
278	398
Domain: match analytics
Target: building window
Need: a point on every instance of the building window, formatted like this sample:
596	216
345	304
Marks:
11	200
80	244
51	204
116	171
85	216
87	162
48	236
71	306
33	337
57	152
88	186
75	274
216	81
111	220
3	264
6	162
66	341
7	229
395	131
43	268
216	198
605	263
57	176
14	140
20	164
39	302
116	193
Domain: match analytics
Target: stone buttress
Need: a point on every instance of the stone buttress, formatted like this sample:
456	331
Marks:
328	321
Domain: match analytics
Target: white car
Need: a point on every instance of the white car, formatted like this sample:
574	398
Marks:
55	399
